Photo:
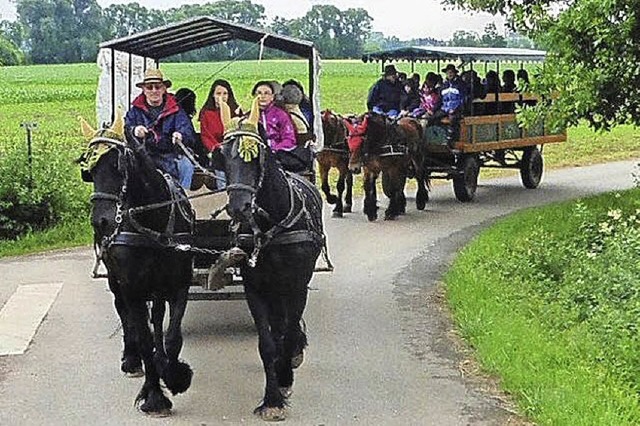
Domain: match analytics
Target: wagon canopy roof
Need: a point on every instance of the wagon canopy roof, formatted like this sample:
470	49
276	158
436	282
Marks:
200	32
463	54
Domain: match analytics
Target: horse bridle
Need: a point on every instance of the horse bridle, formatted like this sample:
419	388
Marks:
262	238
124	154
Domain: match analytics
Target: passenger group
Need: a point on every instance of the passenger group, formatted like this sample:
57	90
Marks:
163	121
395	95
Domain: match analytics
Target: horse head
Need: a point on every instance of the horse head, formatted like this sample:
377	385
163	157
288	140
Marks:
245	154
103	164
334	129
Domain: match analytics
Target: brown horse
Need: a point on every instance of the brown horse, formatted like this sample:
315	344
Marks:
335	154
380	146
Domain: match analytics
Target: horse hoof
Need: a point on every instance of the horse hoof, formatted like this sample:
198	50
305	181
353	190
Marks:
297	360
271	414
390	217
139	372
336	214
165	412
347	209
421	205
132	366
286	392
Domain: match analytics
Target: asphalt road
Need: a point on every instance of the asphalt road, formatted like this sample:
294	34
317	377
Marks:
380	350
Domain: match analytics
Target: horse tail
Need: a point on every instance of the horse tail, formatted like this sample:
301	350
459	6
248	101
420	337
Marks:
177	376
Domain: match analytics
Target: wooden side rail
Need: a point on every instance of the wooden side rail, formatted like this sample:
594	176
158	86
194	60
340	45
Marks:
507	97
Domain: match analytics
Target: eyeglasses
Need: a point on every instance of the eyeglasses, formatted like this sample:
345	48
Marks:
152	86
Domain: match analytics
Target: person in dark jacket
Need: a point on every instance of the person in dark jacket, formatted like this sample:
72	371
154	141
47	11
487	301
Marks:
156	117
492	86
384	95
410	96
454	94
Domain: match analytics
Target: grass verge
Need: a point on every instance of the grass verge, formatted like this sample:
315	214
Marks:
549	299
70	234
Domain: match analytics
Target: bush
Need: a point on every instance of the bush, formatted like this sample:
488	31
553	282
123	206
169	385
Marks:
9	53
52	195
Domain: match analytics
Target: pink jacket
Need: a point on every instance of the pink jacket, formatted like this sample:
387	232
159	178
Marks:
430	99
281	133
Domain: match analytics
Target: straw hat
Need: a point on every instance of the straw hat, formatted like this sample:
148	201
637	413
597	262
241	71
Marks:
153	75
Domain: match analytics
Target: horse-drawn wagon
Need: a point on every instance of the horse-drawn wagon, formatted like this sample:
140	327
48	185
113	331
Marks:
492	139
123	61
153	244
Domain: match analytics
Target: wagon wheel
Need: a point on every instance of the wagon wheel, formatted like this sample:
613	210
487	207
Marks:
531	167
466	182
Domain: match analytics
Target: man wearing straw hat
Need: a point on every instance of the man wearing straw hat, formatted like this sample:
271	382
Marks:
157	119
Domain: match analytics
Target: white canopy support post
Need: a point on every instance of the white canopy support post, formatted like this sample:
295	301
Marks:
314	72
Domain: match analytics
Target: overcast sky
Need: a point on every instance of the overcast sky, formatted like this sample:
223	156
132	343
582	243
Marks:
403	19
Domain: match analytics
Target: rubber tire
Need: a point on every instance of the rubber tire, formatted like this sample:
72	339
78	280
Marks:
466	183
531	167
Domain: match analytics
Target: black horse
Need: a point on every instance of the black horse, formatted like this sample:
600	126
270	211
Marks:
335	154
277	218
380	147
138	220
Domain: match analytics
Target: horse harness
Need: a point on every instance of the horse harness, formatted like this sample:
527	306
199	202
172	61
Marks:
388	150
143	236
301	208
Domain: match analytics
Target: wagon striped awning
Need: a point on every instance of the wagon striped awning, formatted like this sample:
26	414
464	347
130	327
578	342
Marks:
202	31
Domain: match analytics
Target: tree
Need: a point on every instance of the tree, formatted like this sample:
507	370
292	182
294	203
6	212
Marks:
336	33
517	40
356	25
491	38
88	29
9	53
125	19
61	31
465	38
238	11
15	32
592	61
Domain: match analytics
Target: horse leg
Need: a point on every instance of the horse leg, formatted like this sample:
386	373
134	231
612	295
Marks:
175	373
324	177
295	340
157	319
422	196
393	186
272	407
348	199
151	399
131	364
370	196
339	210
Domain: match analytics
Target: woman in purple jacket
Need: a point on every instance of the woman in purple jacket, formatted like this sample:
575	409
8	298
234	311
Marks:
279	131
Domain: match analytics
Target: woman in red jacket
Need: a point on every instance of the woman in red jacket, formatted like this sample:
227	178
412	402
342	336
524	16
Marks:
211	129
